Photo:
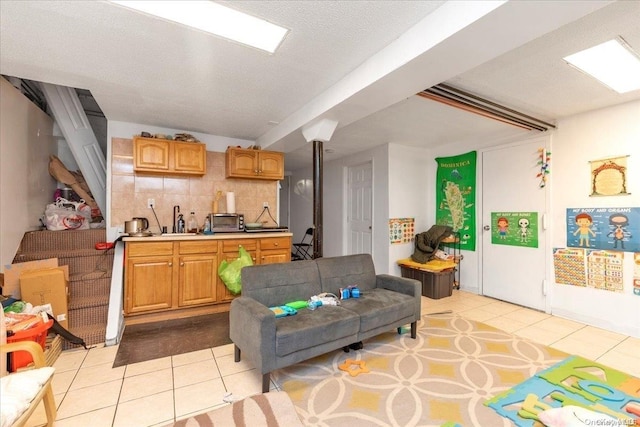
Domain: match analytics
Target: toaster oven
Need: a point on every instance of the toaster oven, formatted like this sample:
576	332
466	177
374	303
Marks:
226	222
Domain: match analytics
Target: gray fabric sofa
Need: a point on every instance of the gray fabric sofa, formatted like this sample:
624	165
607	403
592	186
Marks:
270	343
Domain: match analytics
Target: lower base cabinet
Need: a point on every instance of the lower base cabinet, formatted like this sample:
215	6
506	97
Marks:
155	270
176	275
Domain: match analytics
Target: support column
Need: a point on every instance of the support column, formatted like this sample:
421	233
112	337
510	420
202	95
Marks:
317	199
318	132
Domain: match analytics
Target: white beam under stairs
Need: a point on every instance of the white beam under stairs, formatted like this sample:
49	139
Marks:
72	120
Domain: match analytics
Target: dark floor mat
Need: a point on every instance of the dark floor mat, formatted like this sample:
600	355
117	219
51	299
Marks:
170	337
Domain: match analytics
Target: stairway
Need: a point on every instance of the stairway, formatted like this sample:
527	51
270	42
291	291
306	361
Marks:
89	276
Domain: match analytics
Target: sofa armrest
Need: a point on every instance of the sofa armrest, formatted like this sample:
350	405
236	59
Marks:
252	328
403	285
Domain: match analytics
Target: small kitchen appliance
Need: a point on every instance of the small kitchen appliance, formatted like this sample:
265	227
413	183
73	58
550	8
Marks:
226	222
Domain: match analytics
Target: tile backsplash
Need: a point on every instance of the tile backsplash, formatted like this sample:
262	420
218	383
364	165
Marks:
130	192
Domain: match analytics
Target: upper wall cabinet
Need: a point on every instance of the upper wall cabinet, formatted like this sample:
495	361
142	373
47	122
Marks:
254	164
167	157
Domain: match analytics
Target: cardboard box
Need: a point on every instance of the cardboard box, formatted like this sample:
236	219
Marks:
47	286
12	274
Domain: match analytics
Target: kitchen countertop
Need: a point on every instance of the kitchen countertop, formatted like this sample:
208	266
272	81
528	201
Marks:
218	236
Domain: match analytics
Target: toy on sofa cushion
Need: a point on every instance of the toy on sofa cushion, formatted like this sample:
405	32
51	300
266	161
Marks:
297	304
283	311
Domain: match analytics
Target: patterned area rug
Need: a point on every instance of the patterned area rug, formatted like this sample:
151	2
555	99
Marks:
444	376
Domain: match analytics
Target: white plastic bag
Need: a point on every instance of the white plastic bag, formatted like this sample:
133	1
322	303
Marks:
67	215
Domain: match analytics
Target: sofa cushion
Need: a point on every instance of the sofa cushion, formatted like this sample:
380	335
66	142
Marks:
310	328
379	307
278	284
343	271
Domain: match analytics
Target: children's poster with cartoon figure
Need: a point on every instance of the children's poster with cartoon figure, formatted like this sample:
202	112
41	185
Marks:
616	229
514	228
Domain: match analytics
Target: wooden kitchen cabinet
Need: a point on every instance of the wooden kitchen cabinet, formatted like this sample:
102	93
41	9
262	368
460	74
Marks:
275	250
198	270
163	156
254	164
168	279
149	277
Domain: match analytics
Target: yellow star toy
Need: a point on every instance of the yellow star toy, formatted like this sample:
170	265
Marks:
347	367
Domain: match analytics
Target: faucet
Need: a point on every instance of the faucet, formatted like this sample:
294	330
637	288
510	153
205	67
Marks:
176	211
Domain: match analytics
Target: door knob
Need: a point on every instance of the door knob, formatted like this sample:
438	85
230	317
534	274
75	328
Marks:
486	228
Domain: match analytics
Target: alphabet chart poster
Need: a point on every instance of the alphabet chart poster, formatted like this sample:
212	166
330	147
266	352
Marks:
401	230
569	266
616	229
605	270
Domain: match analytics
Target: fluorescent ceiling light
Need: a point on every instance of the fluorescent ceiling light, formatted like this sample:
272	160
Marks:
612	62
215	19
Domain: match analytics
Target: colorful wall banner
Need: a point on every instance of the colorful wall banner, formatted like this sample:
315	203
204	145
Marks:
514	229
456	196
615	229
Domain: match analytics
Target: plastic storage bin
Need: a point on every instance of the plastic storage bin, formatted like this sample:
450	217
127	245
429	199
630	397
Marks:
20	359
435	284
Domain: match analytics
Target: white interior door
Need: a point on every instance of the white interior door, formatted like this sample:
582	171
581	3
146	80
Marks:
359	205
509	185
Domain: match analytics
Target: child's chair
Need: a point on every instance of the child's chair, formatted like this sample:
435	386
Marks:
21	392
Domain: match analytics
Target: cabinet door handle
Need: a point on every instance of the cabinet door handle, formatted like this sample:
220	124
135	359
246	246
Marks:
170	264
182	264
275	244
255	171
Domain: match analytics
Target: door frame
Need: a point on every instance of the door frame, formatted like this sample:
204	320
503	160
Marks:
546	219
346	201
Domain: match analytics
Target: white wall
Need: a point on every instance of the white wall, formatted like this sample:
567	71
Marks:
400	190
26	142
591	136
410	192
334	204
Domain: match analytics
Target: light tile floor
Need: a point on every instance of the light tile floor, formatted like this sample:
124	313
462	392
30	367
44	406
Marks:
89	391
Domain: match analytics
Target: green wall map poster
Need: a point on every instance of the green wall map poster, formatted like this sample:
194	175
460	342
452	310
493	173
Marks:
514	228
456	196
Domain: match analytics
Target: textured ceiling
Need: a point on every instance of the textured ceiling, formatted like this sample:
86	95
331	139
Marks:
357	62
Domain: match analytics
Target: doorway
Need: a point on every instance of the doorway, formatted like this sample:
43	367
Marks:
359	208
514	266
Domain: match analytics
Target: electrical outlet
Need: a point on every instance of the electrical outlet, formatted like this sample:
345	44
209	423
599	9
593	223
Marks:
151	203
265	204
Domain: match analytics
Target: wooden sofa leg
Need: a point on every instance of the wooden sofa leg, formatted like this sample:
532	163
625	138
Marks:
266	382
414	329
236	353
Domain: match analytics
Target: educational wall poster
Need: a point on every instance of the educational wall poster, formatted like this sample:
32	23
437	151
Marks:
609	176
589	268
636	274
605	270
401	230
615	229
514	228
456	196
569	266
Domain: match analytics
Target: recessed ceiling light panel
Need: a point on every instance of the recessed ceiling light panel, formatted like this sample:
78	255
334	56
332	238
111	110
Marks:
613	63
216	19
